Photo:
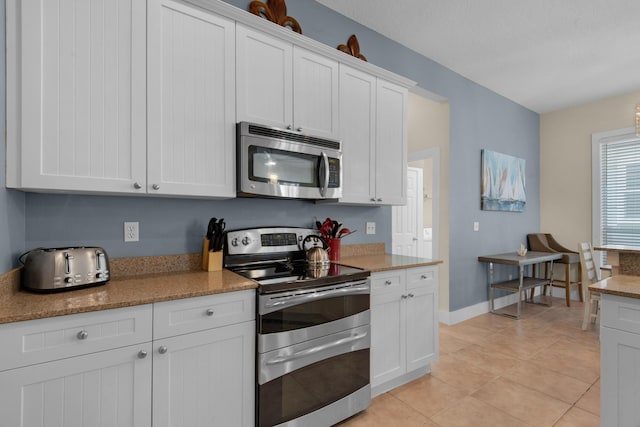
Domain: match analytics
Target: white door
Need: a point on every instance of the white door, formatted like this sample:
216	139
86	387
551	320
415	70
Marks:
191	77
205	378
407	220
108	388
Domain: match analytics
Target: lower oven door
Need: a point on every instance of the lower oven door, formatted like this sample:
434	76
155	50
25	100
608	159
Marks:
291	317
317	382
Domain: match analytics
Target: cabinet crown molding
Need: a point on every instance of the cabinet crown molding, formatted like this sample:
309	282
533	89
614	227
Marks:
243	17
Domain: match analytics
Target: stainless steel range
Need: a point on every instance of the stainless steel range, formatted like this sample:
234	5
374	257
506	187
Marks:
313	334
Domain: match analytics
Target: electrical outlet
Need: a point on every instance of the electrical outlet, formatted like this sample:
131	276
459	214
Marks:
371	228
131	231
476	226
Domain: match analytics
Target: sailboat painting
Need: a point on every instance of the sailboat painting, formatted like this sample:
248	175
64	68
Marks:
503	182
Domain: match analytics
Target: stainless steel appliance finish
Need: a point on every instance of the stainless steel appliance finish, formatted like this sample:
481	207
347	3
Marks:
313	330
56	269
282	163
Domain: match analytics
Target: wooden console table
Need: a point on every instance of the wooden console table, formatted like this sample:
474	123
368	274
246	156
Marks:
522	283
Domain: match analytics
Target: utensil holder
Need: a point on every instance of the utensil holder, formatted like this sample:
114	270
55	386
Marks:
334	249
211	261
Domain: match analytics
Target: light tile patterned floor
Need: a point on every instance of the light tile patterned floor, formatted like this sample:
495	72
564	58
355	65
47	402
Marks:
542	370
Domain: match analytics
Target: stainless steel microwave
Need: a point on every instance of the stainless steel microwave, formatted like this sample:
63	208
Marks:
281	163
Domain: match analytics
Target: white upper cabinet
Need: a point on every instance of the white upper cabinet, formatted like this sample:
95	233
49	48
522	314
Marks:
391	144
374	139
315	94
285	86
357	131
191	101
264	79
76	87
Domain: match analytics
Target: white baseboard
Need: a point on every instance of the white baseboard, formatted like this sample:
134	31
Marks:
453	317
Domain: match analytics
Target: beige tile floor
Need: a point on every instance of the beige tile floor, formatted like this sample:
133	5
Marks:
541	370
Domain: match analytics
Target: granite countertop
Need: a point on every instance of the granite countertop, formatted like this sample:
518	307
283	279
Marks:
145	280
18	305
617	248
621	285
384	262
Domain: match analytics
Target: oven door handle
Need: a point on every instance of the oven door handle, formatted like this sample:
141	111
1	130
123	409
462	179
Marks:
297	299
317	349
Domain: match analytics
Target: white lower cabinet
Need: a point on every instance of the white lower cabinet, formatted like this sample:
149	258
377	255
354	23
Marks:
404	326
103	369
206	378
80	386
619	361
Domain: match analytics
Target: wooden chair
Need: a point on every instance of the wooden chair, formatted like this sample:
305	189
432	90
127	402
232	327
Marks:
544	242
590	275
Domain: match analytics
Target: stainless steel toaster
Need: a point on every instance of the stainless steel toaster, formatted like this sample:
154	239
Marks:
57	269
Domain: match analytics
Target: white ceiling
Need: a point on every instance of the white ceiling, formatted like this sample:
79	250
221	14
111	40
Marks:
543	54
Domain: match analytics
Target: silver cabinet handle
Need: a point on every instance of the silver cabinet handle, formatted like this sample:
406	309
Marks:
155	186
387	282
142	354
411	295
373	199
423	277
404	297
379	199
82	335
289	127
163	349
137	185
415	239
299	129
210	312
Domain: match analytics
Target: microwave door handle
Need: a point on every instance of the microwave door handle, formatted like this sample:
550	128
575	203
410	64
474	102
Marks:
324	179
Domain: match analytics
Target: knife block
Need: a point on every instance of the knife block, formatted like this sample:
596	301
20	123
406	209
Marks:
211	261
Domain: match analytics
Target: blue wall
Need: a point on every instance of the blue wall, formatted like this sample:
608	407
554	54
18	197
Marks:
479	119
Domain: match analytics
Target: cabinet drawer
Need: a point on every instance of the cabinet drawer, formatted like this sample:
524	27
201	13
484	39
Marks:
621	313
422	277
197	314
387	281
41	340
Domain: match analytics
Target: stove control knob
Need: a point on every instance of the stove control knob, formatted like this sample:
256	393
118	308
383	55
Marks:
245	240
234	242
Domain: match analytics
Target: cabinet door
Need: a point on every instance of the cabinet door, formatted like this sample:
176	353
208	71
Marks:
76	95
357	133
205	378
191	78
109	388
388	339
391	144
264	79
315	94
422	326
620	377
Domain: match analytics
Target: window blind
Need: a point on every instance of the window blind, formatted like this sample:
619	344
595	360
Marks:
620	192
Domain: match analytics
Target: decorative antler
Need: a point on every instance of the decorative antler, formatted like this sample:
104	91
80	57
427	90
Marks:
275	11
352	48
